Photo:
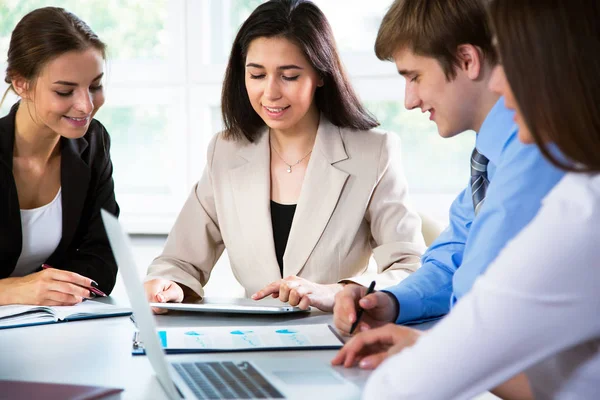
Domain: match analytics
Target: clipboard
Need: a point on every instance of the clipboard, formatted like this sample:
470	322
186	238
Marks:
189	340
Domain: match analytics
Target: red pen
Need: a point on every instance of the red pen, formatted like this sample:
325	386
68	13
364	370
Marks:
92	289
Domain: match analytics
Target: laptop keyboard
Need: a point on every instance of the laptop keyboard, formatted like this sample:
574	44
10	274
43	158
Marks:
226	380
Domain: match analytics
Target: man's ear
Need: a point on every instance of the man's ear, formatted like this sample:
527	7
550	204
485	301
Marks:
22	87
470	60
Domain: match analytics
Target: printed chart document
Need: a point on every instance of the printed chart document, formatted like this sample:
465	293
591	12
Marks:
14	316
247	338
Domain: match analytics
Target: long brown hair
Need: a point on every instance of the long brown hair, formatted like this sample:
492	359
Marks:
304	24
43	35
550	51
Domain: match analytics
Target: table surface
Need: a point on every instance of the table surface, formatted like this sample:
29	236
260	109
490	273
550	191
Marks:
98	352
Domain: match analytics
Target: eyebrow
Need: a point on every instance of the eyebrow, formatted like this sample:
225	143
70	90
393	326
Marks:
66	83
405	72
282	68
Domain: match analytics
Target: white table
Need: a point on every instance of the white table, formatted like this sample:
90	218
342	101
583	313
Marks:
98	352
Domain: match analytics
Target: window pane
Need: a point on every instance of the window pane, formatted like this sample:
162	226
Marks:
131	28
355	25
140	148
432	164
240	10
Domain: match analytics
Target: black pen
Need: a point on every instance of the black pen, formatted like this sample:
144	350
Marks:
370	290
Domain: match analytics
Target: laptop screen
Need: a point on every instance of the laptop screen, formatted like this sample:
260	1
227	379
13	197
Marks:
122	250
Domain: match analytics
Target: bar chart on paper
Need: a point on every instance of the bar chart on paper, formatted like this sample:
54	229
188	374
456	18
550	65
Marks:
215	339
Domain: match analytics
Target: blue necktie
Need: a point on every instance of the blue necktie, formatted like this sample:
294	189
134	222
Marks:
479	179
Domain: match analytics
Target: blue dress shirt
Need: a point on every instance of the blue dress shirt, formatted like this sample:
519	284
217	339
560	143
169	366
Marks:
519	178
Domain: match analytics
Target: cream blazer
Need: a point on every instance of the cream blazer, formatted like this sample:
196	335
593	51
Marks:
353	204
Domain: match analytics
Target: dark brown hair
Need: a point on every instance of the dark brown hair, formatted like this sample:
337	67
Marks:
304	24
41	36
550	51
435	28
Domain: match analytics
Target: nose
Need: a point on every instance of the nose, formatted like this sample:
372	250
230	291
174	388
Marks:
272	90
411	97
84	102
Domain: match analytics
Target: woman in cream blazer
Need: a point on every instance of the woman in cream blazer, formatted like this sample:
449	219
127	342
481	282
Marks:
351	199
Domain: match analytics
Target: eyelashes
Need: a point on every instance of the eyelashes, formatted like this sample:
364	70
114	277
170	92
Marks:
285	78
67	94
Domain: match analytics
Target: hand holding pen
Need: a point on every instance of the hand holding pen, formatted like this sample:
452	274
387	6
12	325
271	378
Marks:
49	287
378	308
91	286
360	310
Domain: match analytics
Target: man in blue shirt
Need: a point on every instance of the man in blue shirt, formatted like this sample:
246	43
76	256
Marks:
444	50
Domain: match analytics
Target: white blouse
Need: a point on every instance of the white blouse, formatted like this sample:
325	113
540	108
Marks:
42	231
536	309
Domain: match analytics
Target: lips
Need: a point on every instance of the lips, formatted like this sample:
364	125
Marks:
77	121
275	113
276	109
431	114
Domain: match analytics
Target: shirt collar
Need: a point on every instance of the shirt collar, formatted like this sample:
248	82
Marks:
495	131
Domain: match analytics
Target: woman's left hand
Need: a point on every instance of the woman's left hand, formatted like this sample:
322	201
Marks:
302	293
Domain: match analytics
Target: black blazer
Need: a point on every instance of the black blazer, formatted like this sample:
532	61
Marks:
87	186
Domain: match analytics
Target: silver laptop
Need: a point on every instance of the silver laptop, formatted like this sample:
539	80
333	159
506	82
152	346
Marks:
268	378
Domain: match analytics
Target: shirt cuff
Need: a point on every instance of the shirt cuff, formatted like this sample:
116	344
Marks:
409	304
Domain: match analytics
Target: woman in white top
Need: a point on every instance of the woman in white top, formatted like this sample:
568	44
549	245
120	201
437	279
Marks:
55	168
536	309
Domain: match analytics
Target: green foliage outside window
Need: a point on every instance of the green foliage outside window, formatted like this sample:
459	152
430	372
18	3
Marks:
132	29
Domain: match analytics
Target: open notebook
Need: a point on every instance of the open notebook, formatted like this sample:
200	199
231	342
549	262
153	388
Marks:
14	316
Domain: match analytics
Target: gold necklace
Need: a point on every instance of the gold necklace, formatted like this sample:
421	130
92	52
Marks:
289	168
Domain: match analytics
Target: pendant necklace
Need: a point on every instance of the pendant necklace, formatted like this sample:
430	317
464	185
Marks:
289	166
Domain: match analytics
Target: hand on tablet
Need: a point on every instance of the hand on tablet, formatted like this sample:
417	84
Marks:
300	292
162	291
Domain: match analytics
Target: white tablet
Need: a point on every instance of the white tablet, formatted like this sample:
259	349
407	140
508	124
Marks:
230	305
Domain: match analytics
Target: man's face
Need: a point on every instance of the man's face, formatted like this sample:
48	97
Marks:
427	88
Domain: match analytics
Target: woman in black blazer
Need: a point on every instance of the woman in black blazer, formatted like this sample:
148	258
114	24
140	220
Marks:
54	165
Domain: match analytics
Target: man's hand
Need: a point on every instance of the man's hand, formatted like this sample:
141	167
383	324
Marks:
379	308
162	291
370	348
300	292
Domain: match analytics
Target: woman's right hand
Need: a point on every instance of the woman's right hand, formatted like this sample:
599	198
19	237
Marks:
50	287
162	291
